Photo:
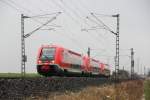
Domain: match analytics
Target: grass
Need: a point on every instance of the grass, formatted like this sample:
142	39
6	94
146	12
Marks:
147	89
132	90
14	75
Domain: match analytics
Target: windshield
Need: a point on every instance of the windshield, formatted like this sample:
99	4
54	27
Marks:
47	54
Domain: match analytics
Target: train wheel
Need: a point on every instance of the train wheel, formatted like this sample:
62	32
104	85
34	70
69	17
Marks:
65	72
82	73
90	74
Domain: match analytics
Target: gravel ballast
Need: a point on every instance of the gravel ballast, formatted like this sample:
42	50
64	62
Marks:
19	88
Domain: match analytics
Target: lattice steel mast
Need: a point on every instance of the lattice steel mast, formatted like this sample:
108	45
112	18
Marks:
23	36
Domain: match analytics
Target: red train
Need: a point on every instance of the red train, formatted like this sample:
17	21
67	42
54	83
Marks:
54	60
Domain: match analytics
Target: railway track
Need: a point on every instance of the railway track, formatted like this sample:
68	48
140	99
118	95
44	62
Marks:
53	78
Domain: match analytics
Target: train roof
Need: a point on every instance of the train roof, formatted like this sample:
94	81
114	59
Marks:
94	60
45	46
72	52
57	46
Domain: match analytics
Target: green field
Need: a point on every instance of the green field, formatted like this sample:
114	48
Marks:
147	89
14	75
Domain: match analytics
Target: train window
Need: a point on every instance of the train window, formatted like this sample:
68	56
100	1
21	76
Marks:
48	54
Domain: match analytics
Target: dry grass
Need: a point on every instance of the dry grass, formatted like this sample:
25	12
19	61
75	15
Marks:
132	90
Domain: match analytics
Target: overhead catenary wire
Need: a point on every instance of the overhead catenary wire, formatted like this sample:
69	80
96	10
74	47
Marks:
8	4
27	9
77	15
105	26
18	10
105	41
71	38
100	36
99	27
27	35
41	16
40	10
57	4
103	15
87	23
45	24
11	1
86	8
42	23
67	7
27	12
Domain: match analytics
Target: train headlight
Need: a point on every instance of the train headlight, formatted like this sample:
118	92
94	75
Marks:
39	62
52	61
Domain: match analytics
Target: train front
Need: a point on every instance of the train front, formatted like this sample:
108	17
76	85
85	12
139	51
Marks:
46	62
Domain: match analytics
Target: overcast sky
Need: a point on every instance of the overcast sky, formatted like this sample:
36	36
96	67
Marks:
134	30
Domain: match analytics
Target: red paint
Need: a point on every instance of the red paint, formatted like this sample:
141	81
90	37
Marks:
85	65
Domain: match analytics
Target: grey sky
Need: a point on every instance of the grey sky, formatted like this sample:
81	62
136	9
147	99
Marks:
134	30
